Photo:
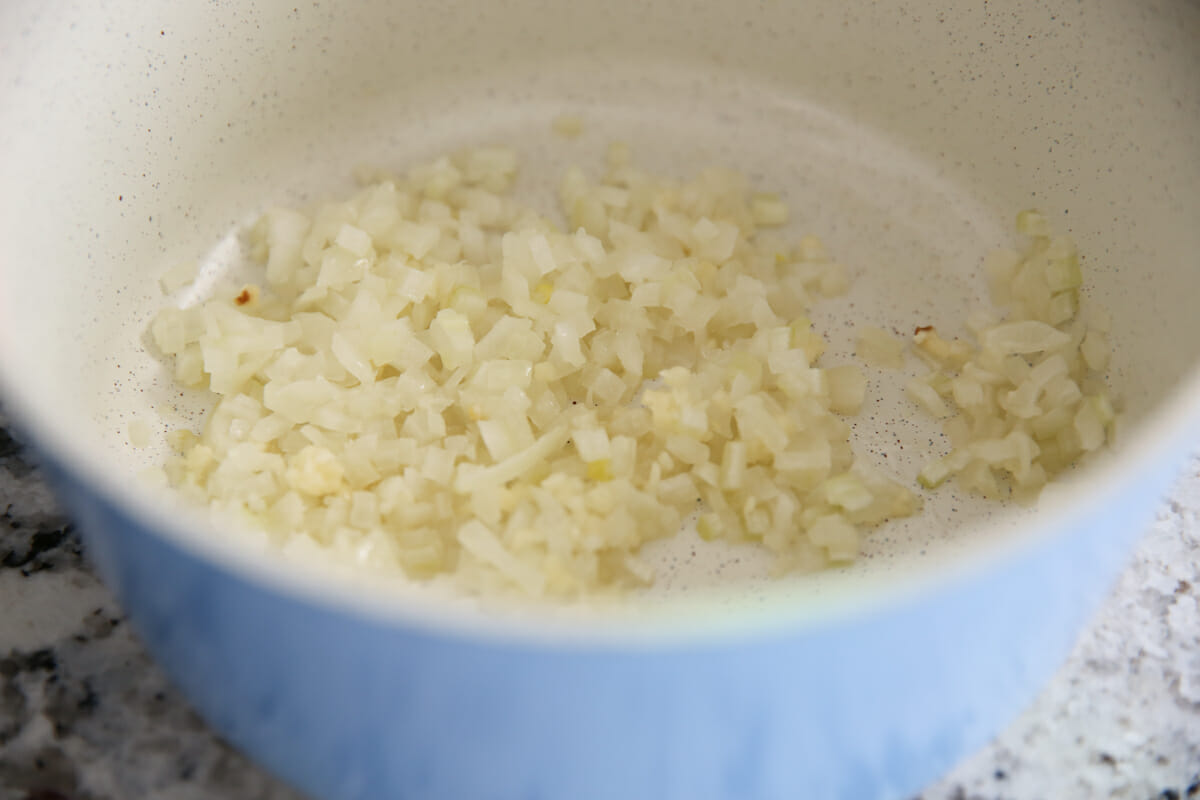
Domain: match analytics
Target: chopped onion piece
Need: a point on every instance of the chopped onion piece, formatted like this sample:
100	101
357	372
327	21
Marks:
1021	338
836	535
847	389
768	210
178	276
568	126
927	398
878	348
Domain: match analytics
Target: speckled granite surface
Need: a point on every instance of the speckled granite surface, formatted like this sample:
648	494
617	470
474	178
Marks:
85	715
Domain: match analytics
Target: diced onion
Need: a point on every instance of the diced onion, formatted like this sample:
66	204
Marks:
1022	416
878	348
434	379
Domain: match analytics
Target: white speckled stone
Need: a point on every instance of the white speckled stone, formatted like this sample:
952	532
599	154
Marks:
85	715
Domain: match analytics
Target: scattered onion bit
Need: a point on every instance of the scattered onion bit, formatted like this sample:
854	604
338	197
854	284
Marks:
1028	399
568	126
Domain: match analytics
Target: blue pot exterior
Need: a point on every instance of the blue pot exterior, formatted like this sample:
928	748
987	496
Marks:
345	707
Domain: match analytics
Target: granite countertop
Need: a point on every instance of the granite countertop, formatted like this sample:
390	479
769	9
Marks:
85	714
